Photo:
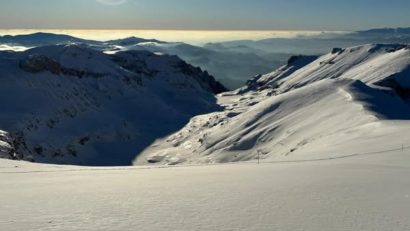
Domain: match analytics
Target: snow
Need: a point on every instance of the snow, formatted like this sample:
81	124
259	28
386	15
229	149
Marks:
364	192
366	63
337	105
331	133
71	104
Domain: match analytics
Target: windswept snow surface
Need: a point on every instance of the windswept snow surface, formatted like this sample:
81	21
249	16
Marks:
365	192
350	101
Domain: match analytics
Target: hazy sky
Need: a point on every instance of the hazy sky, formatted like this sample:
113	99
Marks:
205	14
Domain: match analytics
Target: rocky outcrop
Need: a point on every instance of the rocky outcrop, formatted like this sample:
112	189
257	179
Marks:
7	149
40	63
207	81
270	81
147	64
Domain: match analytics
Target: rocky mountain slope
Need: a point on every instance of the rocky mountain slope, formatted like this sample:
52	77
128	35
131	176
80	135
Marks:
72	104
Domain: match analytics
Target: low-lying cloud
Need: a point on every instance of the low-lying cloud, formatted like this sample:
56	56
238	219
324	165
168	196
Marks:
5	47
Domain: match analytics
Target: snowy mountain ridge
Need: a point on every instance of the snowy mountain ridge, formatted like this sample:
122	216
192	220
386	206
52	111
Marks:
92	108
350	101
231	67
72	104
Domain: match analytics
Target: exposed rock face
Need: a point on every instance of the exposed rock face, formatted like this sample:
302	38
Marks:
205	80
40	63
7	149
270	81
136	61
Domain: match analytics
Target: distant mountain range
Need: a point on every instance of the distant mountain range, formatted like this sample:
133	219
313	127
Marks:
320	44
230	67
390	32
234	62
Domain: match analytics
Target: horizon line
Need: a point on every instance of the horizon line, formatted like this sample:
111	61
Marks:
216	30
188	29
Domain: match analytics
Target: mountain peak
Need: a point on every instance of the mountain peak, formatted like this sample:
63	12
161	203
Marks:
40	39
131	41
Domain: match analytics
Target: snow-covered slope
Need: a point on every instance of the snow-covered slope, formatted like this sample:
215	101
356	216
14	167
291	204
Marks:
367	193
347	102
72	104
371	64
